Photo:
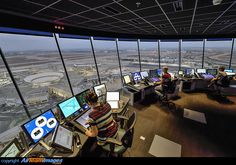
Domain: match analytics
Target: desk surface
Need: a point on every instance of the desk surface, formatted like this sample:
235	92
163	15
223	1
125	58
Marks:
123	104
54	152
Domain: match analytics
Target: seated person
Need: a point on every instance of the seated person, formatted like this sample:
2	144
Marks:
215	81
165	79
102	124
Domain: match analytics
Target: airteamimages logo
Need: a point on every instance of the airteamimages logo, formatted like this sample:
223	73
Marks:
31	160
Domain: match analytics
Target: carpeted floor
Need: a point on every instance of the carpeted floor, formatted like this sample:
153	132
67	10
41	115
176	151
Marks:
217	138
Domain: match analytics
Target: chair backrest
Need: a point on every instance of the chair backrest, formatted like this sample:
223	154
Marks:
224	81
170	87
127	139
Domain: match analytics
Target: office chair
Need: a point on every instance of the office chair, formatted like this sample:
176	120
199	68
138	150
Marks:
117	146
224	82
169	90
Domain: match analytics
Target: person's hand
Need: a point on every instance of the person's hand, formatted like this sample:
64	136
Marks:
88	132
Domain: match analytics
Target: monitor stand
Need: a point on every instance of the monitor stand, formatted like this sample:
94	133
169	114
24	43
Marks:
45	145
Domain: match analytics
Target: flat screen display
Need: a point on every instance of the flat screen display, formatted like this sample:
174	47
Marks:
63	137
127	79
212	71
40	126
155	79
229	70
201	71
189	71
113	96
144	74
81	97
83	119
113	104
69	107
136	76
153	73
159	72
13	149
100	90
181	72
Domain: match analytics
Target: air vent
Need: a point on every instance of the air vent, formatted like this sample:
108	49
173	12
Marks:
162	26
134	21
110	9
178	5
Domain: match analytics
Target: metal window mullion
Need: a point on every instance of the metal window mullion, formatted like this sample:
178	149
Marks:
118	55
203	52
140	68
180	43
91	41
63	63
159	54
232	50
15	84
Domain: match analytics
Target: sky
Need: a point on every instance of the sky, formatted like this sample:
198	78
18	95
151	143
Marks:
14	42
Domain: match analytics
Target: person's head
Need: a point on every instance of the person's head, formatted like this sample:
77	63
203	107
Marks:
222	68
92	98
165	69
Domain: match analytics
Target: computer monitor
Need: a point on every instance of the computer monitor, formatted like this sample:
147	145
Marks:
81	97
201	71
153	73
136	76
229	70
127	79
159	72
212	71
40	126
189	71
82	120
69	107
113	99
144	74
13	149
113	96
181	72
100	90
63	138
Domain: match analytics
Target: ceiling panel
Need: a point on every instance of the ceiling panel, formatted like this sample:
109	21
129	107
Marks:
69	7
43	2
92	3
139	17
92	15
135	5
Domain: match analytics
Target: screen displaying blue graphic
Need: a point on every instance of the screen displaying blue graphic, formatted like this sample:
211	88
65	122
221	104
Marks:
40	126
159	71
69	107
136	76
189	71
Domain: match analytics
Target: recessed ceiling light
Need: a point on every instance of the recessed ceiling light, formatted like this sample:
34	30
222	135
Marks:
216	2
138	4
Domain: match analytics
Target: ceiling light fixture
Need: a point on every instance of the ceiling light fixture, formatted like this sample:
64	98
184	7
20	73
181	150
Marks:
216	2
138	4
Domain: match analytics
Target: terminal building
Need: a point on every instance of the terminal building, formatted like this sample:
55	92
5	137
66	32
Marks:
165	67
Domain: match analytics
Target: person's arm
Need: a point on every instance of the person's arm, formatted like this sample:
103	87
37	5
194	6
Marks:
92	131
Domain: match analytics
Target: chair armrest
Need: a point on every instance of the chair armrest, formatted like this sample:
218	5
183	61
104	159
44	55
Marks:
112	140
122	117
